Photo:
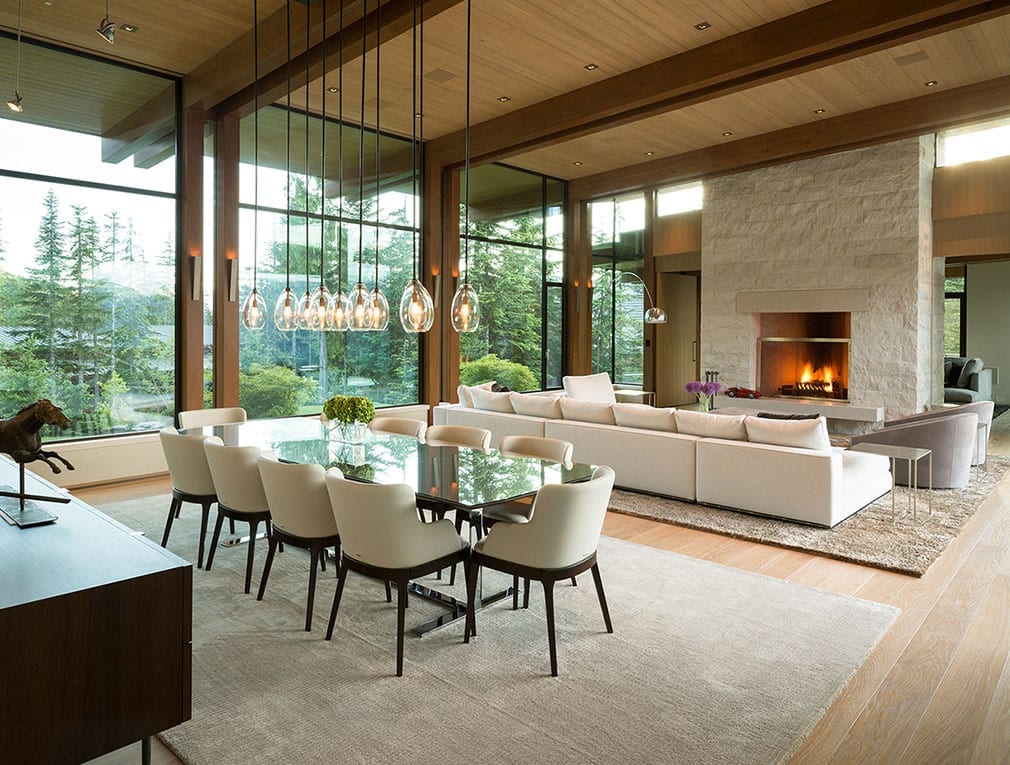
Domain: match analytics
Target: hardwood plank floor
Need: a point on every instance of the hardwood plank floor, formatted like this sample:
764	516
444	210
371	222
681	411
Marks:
936	689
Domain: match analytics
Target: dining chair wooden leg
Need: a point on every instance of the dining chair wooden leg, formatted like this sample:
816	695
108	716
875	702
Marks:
253	526
315	552
272	542
389	593
204	517
472	569
603	598
173	508
551	640
231	525
341	577
213	541
515	592
526	593
401	617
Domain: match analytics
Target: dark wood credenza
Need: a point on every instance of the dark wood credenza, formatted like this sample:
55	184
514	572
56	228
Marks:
95	635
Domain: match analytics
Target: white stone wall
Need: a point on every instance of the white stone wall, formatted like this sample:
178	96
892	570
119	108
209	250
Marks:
859	219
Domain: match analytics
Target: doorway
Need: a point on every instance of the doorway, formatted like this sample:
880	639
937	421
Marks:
677	341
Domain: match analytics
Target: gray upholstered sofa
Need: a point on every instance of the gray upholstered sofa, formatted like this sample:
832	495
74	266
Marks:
966	380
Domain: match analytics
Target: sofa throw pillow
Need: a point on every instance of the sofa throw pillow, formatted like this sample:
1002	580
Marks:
463	392
588	411
536	406
728	426
971	367
645	417
590	387
782	416
491	401
802	434
956	365
948	367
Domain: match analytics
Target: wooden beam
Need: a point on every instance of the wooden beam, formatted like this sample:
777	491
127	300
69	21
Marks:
151	123
578	295
826	34
915	116
189	257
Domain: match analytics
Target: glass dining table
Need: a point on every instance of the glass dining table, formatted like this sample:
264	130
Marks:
468	479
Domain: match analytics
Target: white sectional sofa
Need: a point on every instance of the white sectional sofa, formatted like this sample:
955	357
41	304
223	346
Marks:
780	468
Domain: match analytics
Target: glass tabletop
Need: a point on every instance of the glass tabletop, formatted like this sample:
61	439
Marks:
466	478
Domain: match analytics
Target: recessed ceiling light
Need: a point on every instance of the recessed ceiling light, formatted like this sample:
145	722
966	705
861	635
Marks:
128	27
819	111
649	153
727	133
701	26
333	89
576	163
591	67
504	99
931	83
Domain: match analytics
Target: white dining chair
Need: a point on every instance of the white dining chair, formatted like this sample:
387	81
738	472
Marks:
399	426
558	542
382	538
198	418
191	480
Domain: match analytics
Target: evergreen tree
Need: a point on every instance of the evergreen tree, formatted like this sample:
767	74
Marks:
85	318
45	296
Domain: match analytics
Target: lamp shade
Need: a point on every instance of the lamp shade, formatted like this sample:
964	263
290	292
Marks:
254	313
286	311
465	311
380	310
341	313
417	311
655	315
360	300
320	316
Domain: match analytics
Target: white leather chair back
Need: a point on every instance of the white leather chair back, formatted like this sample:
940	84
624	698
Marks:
225	415
296	495
399	426
565	527
187	461
379	524
465	436
236	475
552	449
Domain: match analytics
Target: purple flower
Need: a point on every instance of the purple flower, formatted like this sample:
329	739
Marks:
695	386
711	388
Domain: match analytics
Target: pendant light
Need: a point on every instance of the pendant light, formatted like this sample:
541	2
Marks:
360	299
465	309
254	315
15	104
305	306
380	306
417	311
321	315
341	305
286	308
106	27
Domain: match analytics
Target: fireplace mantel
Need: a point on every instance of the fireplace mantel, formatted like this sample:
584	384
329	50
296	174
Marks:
803	301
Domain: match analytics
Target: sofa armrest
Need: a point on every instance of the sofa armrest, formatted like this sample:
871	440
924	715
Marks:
981	383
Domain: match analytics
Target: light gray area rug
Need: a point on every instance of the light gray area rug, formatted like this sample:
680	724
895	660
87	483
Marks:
871	536
707	664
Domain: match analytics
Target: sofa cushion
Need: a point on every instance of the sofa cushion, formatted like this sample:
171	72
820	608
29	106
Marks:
971	367
537	406
590	387
588	411
463	392
645	417
491	401
802	434
729	426
948	367
956	365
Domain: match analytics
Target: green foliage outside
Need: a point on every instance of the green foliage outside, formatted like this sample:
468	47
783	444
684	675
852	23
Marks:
508	373
348	409
273	391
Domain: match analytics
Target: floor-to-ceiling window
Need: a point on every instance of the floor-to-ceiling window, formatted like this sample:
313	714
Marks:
516	254
617	227
88	242
285	373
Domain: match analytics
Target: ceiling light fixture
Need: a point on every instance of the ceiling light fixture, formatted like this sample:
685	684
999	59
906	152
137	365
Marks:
417	310
591	67
701	26
727	133
649	153
380	306
16	103
819	111
577	163
305	305
285	309
361	315
334	89
253	314
107	27
465	310
341	305
504	99
931	83
131	28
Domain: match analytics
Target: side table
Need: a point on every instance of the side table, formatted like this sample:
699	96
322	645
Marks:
633	395
911	455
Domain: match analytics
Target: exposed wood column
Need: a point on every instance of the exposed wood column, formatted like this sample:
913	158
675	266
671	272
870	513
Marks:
578	294
649	277
189	266
226	263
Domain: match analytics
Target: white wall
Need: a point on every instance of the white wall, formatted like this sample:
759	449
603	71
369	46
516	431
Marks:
987	331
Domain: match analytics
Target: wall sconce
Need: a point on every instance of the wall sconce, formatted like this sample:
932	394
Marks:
196	275
231	276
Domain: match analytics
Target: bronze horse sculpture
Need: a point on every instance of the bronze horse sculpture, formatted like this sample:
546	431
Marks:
20	437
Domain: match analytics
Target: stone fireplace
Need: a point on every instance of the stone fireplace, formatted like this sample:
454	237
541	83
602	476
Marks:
804	355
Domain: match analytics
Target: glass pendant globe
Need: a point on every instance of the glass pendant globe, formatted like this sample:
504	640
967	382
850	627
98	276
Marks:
380	310
341	313
305	309
254	311
361	309
417	311
321	314
465	311
286	311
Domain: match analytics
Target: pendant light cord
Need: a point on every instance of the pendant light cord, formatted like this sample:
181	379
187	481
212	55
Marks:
307	40
378	153
466	161
413	140
17	69
256	136
322	160
287	167
340	154
361	144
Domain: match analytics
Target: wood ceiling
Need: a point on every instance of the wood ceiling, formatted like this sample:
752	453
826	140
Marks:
660	98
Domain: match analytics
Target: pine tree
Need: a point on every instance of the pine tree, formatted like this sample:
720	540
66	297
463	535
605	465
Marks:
45	295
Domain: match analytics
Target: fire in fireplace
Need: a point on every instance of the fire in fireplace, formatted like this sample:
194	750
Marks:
804	355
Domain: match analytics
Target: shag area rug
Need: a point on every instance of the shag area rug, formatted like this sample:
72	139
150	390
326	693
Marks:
871	536
707	664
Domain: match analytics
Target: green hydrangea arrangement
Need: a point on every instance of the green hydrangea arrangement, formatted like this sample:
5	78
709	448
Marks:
348	409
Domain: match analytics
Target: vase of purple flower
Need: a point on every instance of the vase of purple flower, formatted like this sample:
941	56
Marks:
705	391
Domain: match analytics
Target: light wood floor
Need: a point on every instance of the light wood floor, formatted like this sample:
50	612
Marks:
937	687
